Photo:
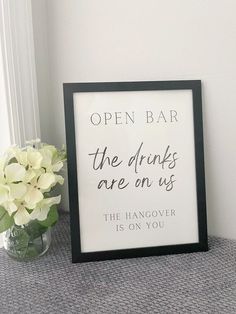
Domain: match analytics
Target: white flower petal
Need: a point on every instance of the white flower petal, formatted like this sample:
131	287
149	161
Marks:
32	197
52	149
6	157
50	201
10	207
29	176
21	217
47	157
46	180
22	157
34	181
57	166
34	159
2	178
39	213
30	206
42	209
4	193
14	172
59	179
3	162
17	190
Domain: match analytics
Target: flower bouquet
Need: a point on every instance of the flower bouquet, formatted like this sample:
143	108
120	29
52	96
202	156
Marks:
27	207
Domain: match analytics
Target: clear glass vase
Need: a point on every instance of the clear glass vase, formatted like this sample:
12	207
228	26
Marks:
27	242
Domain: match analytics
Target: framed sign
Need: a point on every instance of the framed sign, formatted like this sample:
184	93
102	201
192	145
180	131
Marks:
136	169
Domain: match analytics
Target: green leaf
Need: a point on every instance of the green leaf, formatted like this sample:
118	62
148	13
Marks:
6	221
35	230
52	217
31	252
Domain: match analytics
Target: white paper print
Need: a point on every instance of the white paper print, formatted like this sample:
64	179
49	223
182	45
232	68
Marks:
136	169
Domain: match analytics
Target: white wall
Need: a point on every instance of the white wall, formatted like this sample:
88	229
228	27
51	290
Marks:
5	140
109	40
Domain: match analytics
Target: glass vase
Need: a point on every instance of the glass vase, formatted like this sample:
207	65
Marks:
27	242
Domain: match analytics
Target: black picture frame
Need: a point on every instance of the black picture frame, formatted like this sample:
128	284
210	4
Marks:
69	90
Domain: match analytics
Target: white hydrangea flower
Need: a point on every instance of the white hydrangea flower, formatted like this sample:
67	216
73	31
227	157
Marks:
36	187
26	176
11	187
28	157
14	173
21	156
51	161
22	216
34	158
43	207
4	193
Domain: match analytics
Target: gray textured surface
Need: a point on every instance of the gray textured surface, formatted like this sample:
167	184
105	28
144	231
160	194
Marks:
189	283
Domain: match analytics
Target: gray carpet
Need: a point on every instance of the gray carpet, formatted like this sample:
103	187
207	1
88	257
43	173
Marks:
189	283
